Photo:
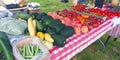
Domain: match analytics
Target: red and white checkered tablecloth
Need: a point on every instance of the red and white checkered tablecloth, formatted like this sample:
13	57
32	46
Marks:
77	43
115	31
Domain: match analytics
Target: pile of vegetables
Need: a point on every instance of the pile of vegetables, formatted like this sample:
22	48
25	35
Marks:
58	31
29	51
50	32
53	32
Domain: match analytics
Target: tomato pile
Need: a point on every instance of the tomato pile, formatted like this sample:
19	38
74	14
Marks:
81	19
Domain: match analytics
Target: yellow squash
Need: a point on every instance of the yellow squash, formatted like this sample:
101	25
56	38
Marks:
31	27
49	38
40	35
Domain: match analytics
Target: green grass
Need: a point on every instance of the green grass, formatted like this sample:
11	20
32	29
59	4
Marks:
93	52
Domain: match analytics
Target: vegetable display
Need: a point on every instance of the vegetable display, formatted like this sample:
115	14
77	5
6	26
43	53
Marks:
52	29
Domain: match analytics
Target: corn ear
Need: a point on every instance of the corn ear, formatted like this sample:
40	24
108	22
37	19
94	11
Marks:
34	24
31	27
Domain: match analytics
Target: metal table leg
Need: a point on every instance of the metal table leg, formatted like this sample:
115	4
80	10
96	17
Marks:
115	39
103	45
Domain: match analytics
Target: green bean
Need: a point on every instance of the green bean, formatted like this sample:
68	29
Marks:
26	50
23	51
32	50
29	51
36	51
39	51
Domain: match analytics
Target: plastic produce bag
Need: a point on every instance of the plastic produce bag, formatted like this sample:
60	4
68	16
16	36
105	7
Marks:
4	12
12	26
14	38
30	40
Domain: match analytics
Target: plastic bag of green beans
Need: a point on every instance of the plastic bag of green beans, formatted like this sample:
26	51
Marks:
30	48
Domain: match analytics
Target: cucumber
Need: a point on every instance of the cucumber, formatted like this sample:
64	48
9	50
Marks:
39	26
5	46
23	16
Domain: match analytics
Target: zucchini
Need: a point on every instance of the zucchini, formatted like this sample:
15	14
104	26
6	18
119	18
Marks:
46	17
57	25
24	16
51	31
34	15
6	47
47	21
39	26
67	31
59	40
42	14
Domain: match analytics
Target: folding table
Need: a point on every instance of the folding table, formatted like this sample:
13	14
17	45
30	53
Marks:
79	42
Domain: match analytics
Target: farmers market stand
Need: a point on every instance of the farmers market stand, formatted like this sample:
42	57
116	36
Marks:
79	42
